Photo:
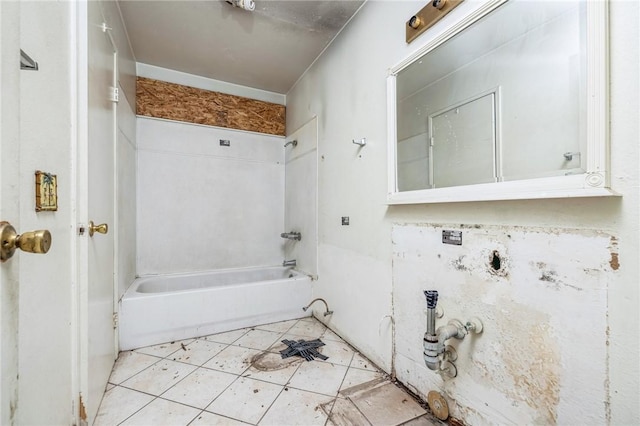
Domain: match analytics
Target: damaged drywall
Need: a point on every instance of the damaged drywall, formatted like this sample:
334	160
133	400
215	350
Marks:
542	296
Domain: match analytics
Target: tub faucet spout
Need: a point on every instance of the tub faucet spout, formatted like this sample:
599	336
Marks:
291	262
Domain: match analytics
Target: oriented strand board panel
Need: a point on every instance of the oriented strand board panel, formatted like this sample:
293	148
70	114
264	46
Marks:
171	101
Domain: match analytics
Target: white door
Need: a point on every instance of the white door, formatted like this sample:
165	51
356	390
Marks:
9	207
97	322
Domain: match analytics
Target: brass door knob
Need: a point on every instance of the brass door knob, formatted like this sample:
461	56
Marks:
103	228
32	242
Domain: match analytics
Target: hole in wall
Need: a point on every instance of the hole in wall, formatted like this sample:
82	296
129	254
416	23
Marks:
496	262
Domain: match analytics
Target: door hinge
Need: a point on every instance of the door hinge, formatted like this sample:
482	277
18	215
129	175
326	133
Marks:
115	320
114	94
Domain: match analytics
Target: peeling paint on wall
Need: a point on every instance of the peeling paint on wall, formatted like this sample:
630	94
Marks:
615	264
541	294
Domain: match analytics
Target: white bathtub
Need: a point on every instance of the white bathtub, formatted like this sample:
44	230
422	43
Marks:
165	308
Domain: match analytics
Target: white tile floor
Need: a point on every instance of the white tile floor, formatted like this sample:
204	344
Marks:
239	378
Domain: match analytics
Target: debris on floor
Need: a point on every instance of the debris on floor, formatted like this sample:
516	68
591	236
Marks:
307	350
377	399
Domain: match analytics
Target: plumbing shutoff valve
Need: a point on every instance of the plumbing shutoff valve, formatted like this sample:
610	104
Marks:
438	356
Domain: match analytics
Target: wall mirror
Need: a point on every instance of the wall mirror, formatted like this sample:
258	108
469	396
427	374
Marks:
509	102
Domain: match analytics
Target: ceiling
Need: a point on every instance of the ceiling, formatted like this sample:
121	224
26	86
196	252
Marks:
268	49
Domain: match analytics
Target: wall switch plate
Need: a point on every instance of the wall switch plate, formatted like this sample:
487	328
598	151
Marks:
345	220
225	142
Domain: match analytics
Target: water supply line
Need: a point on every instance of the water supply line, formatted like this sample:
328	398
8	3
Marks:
393	345
438	356
327	312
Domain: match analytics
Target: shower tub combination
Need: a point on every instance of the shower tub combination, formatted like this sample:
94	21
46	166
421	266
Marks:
165	308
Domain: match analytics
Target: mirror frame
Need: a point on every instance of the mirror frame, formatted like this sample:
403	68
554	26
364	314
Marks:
595	182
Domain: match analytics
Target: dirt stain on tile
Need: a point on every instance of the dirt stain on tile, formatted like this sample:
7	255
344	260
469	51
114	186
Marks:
268	361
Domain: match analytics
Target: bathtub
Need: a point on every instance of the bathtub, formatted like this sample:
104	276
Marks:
165	308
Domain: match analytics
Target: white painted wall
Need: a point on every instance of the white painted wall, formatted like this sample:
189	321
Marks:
301	197
355	262
202	206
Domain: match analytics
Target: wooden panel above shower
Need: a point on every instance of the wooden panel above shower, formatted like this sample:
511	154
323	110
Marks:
171	101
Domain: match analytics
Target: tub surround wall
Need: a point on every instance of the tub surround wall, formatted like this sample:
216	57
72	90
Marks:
301	197
355	265
202	206
171	101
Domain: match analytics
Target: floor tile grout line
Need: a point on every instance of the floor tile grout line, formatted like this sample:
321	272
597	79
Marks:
164	399
285	386
226	343
292	325
271	405
185	376
223	391
313	392
175	384
144	369
340	388
138	410
335	399
216	414
200	365
139	350
137	390
197	417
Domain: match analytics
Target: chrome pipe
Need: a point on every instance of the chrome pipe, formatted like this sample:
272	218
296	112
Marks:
327	312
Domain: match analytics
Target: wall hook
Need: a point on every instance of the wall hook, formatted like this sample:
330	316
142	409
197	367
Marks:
361	142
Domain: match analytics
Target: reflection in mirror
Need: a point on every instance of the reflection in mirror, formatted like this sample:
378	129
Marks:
503	100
